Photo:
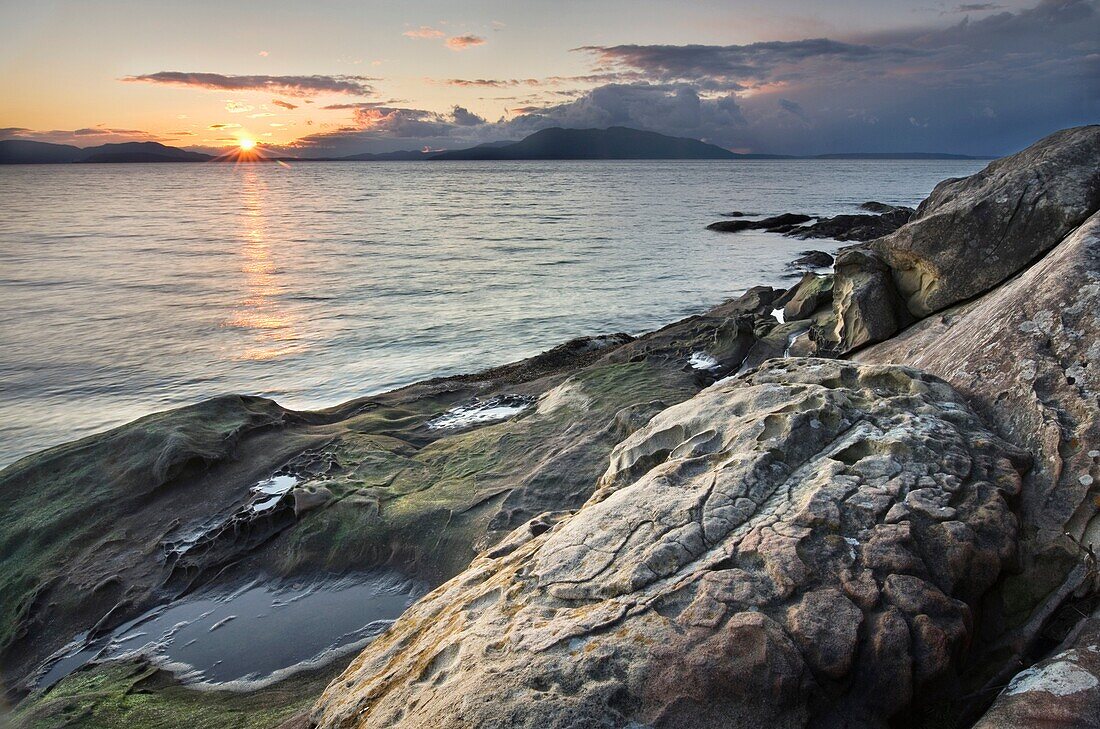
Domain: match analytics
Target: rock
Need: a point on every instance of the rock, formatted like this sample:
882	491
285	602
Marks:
872	206
722	572
813	259
1061	692
1025	357
310	497
806	297
973	233
855	227
865	303
776	224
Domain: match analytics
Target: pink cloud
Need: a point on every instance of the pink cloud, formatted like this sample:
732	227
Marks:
462	42
423	32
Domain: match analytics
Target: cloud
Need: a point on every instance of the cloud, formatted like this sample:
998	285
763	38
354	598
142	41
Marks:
263	54
286	85
236	107
85	137
981	86
224	126
465	118
462	42
424	32
284	104
976	7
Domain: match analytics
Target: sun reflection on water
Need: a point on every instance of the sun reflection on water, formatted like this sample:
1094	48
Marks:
272	330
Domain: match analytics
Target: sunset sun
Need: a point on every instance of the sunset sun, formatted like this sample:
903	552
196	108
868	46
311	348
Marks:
247	145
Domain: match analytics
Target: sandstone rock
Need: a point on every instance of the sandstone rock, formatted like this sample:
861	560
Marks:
723	573
1061	692
865	303
806	297
1027	357
971	234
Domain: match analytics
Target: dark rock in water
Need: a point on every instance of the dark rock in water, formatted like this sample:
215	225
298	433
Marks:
775	224
734	214
813	259
855	227
801	545
872	206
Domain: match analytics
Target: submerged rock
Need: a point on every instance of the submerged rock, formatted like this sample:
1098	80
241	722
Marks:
804	543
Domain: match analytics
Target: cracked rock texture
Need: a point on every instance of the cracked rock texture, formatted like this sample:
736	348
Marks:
804	543
1026	356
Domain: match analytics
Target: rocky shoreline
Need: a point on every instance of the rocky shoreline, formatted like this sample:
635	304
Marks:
867	500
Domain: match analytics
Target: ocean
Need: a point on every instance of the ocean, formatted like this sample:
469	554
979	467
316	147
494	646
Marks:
127	289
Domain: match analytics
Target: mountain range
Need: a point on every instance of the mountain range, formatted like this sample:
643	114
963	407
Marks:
613	143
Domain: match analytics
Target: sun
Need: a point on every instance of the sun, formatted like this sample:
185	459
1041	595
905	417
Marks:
247	145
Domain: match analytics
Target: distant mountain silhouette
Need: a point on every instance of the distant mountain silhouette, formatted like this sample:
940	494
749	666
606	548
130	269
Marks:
21	151
547	144
611	143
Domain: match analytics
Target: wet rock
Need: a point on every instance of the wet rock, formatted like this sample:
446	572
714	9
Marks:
310	497
721	574
775	224
855	227
879	208
813	259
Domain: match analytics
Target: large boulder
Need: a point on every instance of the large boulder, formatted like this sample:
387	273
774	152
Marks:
970	235
804	543
1026	356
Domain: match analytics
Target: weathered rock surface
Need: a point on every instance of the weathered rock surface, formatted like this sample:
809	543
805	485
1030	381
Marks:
1061	692
1026	356
970	235
813	259
806	297
807	542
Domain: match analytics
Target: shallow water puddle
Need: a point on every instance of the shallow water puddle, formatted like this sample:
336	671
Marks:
255	635
273	489
476	412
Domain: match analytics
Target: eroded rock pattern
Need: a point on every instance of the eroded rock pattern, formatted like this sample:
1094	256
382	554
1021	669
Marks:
806	541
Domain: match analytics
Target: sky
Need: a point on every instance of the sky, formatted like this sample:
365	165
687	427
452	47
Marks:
344	77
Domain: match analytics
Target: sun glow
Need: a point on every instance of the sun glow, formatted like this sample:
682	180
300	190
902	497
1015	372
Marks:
247	145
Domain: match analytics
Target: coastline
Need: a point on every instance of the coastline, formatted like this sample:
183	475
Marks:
378	484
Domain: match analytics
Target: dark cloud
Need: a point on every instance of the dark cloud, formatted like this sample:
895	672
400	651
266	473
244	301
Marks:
284	104
981	86
287	85
463	117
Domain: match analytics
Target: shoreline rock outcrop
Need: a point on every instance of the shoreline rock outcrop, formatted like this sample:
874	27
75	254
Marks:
807	542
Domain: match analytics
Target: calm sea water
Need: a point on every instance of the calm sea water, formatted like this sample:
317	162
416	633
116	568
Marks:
126	289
